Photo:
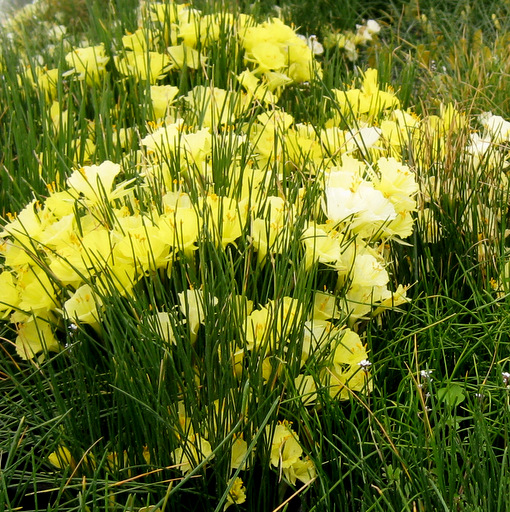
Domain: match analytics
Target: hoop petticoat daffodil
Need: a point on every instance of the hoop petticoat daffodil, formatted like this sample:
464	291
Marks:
95	183
88	63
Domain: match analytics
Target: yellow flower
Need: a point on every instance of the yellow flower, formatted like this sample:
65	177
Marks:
315	333
47	80
89	63
367	204
163	12
10	295
62	458
205	30
306	388
393	300
162	96
226	220
165	139
267	56
369	101
180	229
213	106
239	451
37	291
192	307
35	336
183	56
83	306
28	224
368	271
236	493
258	328
303	470
143	247
94	182
349	350
163	325
267	231
344	380
324	306
143	66
60	204
255	88
197	449
320	245
397	182
139	41
285	447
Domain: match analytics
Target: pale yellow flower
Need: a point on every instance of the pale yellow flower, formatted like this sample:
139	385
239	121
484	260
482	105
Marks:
62	458
84	306
35	336
94	182
197	449
236	493
89	63
285	447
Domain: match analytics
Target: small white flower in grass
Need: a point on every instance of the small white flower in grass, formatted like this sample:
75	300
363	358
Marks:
426	375
506	378
365	365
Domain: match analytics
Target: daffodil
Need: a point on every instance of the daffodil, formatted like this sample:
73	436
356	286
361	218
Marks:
182	56
61	458
35	336
285	447
195	451
94	182
84	306
143	66
88	63
163	322
10	293
162	97
238	457
236	494
191	303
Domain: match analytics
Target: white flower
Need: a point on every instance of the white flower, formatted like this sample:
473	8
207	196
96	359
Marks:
370	204
365	364
313	43
373	27
498	128
426	374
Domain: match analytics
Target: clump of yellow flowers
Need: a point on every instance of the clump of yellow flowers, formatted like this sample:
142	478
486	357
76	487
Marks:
229	168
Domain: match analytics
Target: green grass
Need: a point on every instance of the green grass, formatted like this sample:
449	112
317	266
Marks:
224	222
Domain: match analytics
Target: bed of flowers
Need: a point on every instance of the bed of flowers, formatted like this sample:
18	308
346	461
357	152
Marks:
190	288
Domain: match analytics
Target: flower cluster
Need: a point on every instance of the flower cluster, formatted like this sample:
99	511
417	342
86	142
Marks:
350	41
223	170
